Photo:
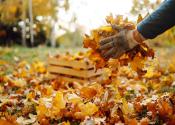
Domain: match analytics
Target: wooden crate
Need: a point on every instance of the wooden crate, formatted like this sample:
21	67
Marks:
73	70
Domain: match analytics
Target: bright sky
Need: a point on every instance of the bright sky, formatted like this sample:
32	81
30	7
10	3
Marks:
92	13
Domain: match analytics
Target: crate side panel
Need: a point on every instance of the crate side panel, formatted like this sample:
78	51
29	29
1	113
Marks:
68	71
73	63
52	76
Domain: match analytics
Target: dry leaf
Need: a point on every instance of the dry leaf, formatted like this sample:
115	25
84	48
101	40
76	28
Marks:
136	56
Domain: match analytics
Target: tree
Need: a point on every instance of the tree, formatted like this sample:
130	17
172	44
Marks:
144	6
15	11
10	11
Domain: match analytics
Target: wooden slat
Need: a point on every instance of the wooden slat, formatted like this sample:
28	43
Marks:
74	72
68	79
73	63
52	76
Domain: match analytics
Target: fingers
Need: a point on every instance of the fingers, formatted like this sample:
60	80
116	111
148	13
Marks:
118	53
113	53
106	40
109	53
106	46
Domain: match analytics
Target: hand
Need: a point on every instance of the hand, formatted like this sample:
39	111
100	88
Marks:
115	46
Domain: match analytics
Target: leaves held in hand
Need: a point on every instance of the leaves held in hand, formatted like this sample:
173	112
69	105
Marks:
135	57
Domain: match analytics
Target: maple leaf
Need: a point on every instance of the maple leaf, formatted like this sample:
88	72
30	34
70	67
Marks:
91	91
136	56
58	101
164	109
88	92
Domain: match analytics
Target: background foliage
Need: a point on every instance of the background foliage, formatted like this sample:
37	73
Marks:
14	14
15	23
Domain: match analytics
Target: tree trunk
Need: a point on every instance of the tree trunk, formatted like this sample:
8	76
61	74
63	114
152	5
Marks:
24	24
31	23
52	36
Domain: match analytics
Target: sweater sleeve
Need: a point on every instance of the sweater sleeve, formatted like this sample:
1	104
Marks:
159	21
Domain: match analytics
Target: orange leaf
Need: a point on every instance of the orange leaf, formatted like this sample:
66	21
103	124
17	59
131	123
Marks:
5	122
88	92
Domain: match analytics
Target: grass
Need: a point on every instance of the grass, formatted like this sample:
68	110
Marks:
9	56
15	53
29	54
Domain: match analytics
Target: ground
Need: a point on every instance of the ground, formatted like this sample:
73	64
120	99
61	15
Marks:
28	97
11	55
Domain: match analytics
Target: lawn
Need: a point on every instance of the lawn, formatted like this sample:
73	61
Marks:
15	53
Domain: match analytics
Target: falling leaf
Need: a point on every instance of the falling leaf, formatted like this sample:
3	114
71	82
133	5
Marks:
139	19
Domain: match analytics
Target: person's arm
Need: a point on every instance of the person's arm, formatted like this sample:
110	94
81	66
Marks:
155	24
159	21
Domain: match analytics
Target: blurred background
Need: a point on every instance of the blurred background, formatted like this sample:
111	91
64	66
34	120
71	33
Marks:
62	23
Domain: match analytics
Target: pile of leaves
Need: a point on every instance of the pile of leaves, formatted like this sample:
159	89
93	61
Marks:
135	57
28	97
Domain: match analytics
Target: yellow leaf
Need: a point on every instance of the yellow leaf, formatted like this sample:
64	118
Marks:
48	91
2	62
41	109
149	73
88	109
66	123
106	28
125	108
39	67
58	101
22	64
171	67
